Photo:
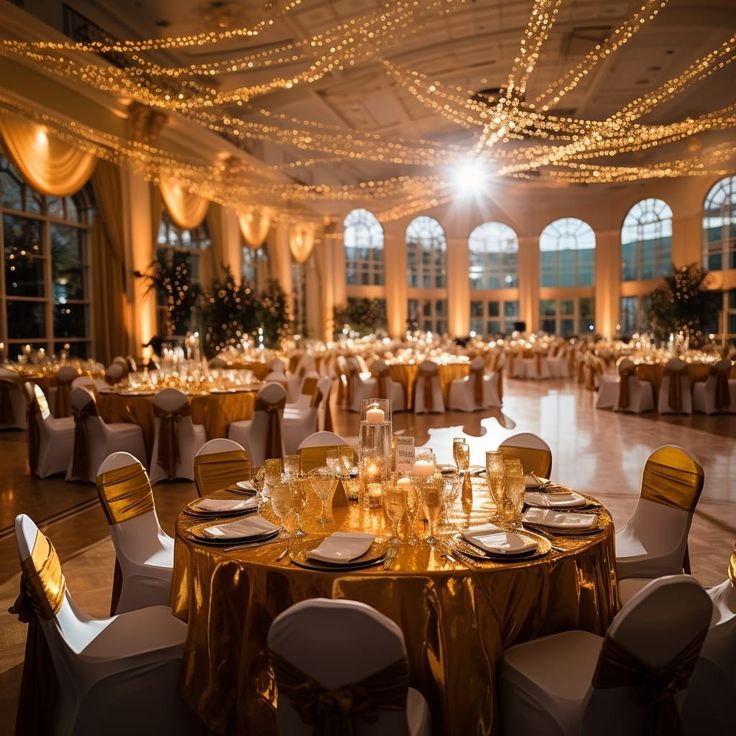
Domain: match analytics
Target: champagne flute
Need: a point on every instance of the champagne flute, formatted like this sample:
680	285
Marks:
323	483
291	465
514	491
298	490
281	505
451	485
413	503
431	489
461	453
394	506
258	478
495	480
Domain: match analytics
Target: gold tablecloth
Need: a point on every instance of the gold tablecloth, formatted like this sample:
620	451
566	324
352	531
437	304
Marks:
654	372
260	370
457	620
406	375
215	411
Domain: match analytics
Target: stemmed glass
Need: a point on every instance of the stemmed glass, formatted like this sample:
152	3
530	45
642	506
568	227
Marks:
451	485
431	491
281	505
495	479
258	479
323	483
394	506
461	453
514	491
298	490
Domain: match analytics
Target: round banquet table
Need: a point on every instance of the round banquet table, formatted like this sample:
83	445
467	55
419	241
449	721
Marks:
214	410
406	375
654	373
457	619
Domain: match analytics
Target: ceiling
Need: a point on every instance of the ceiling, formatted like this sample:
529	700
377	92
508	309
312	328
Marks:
468	45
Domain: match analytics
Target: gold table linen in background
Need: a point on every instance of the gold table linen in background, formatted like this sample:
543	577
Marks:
654	373
406	375
215	411
456	620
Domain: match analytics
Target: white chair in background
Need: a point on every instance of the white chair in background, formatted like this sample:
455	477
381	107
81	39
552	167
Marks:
145	554
218	464
50	440
717	394
299	423
312	450
307	386
579	684
386	387
59	391
362	385
333	644
558	363
675	396
427	389
84	382
262	436
117	675
114	373
478	390
12	401
654	540
176	438
94	439
535	454
633	394
608	384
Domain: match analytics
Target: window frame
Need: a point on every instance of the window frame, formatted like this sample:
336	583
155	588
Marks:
725	247
488	251
647	213
368	271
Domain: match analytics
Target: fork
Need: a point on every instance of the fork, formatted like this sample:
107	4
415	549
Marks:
388	563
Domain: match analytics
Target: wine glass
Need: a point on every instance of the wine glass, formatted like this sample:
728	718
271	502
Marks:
413	504
461	453
298	490
323	483
281	504
514	491
495	480
431	490
394	506
258	479
291	465
451	484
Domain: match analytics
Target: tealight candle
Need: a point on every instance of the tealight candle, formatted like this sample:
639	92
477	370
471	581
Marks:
423	468
375	415
404	483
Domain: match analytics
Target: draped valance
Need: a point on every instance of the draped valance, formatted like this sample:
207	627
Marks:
48	164
255	224
187	210
301	241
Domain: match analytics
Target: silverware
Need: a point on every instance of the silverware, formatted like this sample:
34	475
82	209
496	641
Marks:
283	553
388	563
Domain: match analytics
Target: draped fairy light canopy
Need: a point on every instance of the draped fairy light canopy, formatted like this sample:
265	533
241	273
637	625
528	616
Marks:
250	78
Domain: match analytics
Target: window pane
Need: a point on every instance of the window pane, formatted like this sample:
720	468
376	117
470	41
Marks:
11	191
70	320
78	349
26	319
511	309
23	261
67	263
494	309
567	306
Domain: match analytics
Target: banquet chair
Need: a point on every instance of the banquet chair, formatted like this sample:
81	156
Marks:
427	390
361	385
176	438
12	401
558	363
144	553
608	387
386	387
654	540
94	439
717	394
59	391
320	646
50	440
534	453
262	436
312	450
299	423
114	374
307	385
675	396
634	394
579	684
218	464
84	382
113	676
478	390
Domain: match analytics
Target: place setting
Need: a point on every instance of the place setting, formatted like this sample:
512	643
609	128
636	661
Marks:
249	530
342	551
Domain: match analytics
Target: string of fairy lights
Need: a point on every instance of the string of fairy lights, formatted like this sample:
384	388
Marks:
515	138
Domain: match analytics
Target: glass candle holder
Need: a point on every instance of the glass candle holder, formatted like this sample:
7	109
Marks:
372	474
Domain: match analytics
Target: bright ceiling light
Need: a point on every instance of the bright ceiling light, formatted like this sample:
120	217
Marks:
471	177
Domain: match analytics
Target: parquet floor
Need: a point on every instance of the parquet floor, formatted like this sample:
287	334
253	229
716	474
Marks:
600	452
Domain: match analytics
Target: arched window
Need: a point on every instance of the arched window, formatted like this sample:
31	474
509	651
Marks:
719	226
567	253
494	250
363	238
426	249
45	302
646	241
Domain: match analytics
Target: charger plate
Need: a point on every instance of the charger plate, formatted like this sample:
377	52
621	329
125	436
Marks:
375	555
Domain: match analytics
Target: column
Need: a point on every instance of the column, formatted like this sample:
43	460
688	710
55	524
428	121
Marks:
607	283
458	288
394	252
529	282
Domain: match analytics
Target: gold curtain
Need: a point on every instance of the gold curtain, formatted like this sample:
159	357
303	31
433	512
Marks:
157	208
216	260
301	241
48	164
186	210
109	281
254	225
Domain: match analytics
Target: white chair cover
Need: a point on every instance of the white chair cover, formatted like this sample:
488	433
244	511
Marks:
427	389
117	675
299	423
337	643
362	385
717	394
12	401
258	435
674	389
463	395
577	682
188	437
50	440
633	394
101	439
535	454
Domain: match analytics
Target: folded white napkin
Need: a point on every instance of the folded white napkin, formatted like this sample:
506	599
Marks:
560	519
560	499
342	547
218	505
250	526
497	541
531	481
245	485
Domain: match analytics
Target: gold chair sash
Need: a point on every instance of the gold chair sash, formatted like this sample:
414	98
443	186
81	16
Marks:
655	688
293	362
732	566
125	493
336	712
316	457
80	460
42	582
62	406
673	478
476	375
625	371
674	395
382	378
274	445
427	374
7	386
581	371
723	394
169	453
219	470
33	415
533	459
309	386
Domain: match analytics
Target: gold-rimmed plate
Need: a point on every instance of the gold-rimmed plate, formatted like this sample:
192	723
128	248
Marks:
196	533
565	531
543	546
375	555
240	506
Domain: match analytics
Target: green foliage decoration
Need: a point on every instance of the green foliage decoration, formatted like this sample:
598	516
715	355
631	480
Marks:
364	316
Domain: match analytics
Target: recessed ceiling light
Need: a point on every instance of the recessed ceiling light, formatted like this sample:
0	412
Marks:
655	68
642	81
162	23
